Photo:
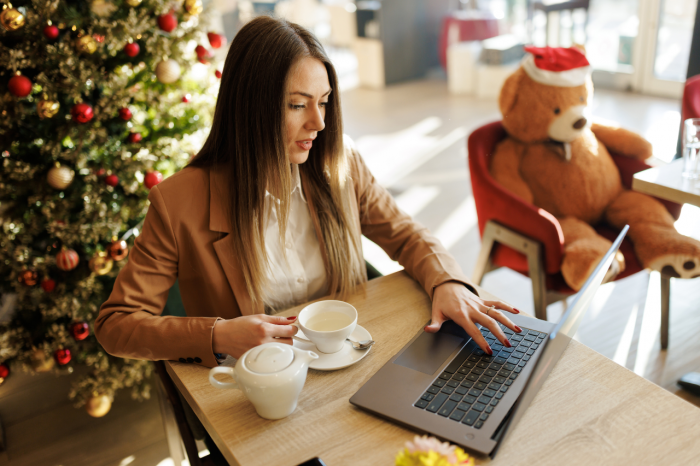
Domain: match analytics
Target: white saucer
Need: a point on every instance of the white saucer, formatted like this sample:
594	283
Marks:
343	358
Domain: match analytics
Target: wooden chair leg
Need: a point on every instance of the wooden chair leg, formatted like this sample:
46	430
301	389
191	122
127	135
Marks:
537	276
665	309
172	433
483	262
186	433
495	233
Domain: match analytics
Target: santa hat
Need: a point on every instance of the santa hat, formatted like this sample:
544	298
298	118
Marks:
556	66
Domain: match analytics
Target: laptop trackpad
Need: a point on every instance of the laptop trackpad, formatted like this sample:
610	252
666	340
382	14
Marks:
429	351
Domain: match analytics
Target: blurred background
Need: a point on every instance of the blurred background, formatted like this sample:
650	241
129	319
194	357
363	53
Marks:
417	77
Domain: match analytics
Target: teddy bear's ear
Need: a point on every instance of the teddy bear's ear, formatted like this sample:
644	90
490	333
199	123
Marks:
581	47
509	92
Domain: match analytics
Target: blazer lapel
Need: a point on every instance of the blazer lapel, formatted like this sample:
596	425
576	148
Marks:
224	247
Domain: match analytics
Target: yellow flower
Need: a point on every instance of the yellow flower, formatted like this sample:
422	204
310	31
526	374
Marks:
429	451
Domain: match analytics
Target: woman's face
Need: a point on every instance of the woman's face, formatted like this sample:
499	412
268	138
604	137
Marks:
306	99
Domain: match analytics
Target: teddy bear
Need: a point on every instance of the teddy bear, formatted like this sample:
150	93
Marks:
555	158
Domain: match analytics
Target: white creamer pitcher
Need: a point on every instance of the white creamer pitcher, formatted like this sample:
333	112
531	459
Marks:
271	376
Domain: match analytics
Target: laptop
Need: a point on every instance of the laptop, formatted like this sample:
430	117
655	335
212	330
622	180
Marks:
443	384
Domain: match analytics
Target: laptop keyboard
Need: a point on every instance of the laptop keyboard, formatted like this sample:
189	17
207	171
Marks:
471	386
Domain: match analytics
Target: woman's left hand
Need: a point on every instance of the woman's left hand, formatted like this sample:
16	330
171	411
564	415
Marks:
454	301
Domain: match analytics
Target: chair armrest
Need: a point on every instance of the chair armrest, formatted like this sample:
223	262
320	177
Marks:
493	202
628	167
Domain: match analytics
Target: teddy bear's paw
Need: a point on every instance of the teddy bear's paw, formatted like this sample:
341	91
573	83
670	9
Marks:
677	266
617	266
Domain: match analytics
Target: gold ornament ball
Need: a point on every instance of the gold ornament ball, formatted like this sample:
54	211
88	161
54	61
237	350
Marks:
11	19
47	108
60	177
86	44
98	405
40	363
101	263
102	8
193	7
168	71
133	3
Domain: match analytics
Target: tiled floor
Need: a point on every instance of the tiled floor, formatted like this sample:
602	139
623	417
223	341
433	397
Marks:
413	138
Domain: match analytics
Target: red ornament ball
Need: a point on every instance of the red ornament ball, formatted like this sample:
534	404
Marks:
118	249
67	259
50	32
82	112
20	86
202	52
125	114
48	285
218	74
152	178
80	330
134	138
186	98
216	40
62	356
167	22
132	49
112	180
4	371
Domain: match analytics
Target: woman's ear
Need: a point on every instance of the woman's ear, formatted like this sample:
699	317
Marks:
509	92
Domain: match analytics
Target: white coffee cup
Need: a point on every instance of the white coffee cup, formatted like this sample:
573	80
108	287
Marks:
327	324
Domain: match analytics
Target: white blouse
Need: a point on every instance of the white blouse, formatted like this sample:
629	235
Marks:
302	276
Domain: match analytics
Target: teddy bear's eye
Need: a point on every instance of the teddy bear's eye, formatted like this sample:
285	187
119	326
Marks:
556	111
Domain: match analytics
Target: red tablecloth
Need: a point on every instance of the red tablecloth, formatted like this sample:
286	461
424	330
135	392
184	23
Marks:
462	26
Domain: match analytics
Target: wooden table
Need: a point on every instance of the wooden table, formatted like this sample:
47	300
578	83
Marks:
667	182
589	411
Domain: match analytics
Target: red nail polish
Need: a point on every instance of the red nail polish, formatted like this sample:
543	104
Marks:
508	345
292	318
518	329
516	311
489	351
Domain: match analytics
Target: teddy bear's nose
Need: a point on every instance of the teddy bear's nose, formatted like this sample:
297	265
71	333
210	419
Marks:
580	123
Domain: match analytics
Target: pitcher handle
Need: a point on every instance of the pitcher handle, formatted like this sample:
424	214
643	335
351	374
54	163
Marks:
222	370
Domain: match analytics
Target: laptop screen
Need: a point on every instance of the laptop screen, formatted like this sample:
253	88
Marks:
559	339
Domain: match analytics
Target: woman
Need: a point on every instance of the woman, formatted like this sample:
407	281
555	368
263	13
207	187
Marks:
269	215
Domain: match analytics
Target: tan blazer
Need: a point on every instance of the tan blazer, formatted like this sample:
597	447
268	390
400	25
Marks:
185	236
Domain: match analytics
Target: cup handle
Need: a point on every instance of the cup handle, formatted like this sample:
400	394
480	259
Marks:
294	337
222	370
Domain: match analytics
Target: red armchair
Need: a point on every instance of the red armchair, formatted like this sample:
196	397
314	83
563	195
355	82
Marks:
528	239
691	99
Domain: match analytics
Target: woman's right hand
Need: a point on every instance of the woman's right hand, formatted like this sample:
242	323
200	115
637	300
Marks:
236	336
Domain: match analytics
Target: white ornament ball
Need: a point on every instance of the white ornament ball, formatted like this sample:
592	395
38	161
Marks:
168	71
60	177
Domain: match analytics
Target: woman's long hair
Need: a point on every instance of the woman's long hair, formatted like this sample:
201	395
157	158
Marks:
247	140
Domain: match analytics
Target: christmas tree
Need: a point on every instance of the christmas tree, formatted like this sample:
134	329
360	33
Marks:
99	100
